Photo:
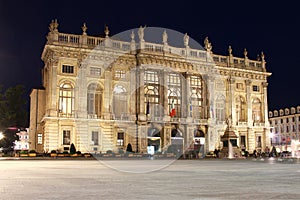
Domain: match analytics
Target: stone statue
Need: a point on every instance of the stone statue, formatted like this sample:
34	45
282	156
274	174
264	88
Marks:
230	50
141	33
245	53
229	122
84	28
186	40
53	26
207	44
106	31
132	36
165	37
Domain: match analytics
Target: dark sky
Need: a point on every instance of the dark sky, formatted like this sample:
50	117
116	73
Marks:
268	26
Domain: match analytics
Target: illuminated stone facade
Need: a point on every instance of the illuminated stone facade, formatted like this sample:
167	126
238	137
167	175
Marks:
101	94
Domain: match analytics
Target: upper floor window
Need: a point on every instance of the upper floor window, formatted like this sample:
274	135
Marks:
94	71
256	110
69	69
255	88
239	86
152	99
66	98
241	109
94	99
119	74
120	102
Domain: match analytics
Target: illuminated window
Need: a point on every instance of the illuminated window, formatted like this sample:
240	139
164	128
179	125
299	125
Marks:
119	74
67	69
119	102
94	99
256	110
40	138
120	139
66	98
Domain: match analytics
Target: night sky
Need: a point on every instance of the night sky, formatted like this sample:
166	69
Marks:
269	26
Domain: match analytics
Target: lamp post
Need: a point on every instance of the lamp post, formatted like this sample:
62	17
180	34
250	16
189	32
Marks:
1	135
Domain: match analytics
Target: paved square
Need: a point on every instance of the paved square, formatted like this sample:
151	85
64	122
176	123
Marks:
181	179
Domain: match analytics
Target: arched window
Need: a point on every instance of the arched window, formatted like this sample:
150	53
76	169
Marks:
220	108
151	87
256	110
66	99
174	95
240	109
94	99
196	98
120	102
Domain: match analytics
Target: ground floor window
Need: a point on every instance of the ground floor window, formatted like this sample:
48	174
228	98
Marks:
258	141
243	141
66	137
95	138
120	139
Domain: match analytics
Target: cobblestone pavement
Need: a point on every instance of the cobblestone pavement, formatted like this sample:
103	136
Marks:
181	179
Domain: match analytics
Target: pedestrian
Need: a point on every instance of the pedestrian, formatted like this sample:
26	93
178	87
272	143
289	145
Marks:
254	153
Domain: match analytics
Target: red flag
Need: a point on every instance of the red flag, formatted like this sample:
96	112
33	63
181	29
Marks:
172	110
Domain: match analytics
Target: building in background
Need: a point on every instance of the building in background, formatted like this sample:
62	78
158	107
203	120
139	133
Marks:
103	93
23	140
285	127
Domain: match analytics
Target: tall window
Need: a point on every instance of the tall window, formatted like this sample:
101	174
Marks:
120	139
94	99
66	98
195	108
220	108
151	87
241	109
256	110
95	138
258	141
174	93
119	102
66	137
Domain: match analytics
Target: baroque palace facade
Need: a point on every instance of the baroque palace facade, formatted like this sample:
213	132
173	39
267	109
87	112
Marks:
102	93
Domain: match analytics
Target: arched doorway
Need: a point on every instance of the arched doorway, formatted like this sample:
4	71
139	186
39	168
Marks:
154	139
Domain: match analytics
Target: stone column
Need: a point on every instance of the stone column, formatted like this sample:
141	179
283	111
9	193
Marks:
232	110
141	96
81	94
249	103
53	90
107	95
133	93
165	96
188	97
265	103
265	115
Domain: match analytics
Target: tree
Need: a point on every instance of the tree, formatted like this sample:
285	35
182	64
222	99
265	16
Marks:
13	114
13	107
72	149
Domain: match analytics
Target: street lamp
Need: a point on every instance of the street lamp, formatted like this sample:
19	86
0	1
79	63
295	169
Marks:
1	135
